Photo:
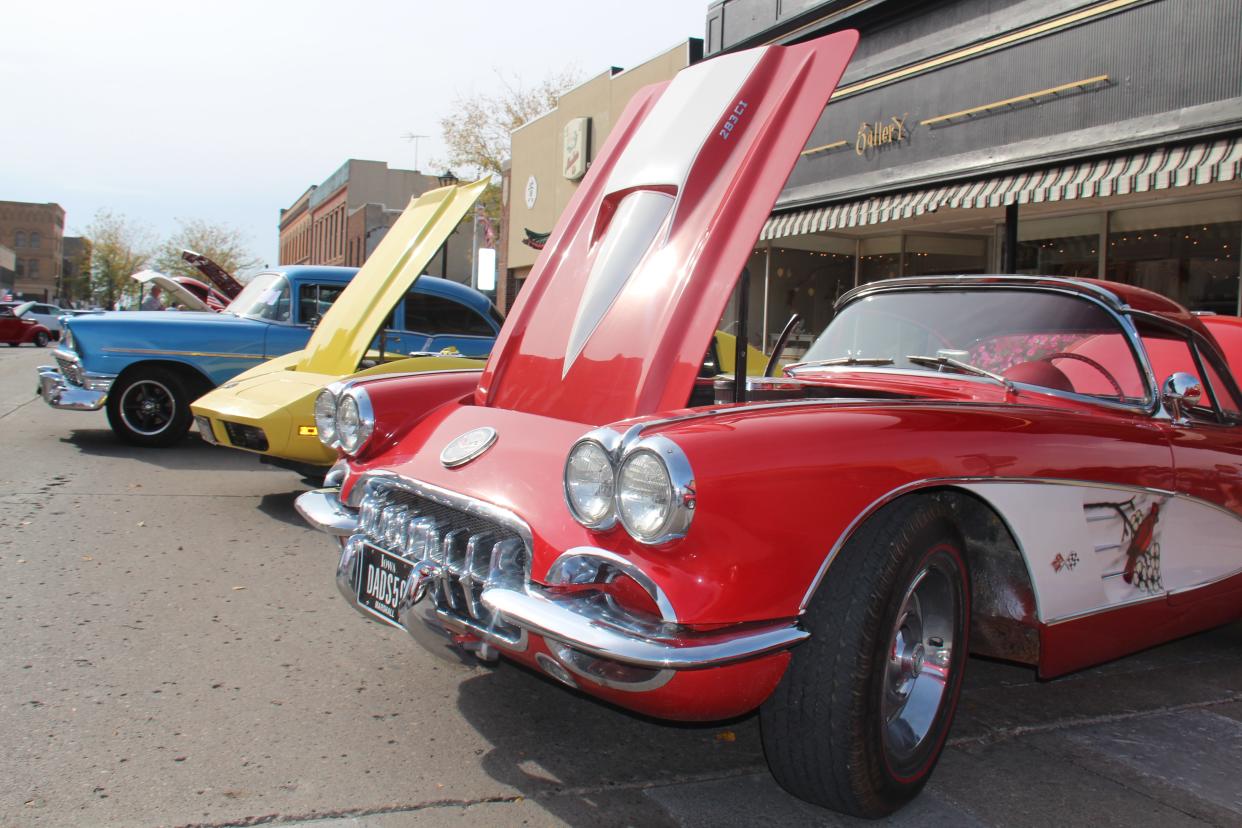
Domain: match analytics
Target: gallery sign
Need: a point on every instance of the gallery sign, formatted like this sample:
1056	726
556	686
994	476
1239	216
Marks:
879	135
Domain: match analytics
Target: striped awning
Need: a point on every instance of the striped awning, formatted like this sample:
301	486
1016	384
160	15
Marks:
1155	169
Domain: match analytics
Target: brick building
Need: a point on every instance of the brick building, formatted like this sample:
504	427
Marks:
340	221
8	261
34	232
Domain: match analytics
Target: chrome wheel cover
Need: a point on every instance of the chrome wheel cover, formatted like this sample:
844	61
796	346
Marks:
918	669
147	407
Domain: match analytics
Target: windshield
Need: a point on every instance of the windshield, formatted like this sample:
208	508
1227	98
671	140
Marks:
1052	340
266	297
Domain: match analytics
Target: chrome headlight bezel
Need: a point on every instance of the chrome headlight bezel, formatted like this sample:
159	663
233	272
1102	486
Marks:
681	490
325	424
676	468
600	441
351	439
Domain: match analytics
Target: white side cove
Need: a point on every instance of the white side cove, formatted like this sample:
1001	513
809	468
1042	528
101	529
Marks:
640	215
1091	547
686	115
663	149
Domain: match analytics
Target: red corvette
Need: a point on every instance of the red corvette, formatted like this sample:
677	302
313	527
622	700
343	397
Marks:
1038	469
15	330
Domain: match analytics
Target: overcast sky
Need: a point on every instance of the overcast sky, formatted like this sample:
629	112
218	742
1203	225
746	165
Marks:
227	111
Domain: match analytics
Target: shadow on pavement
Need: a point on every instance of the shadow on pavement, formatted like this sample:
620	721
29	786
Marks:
279	505
189	454
574	754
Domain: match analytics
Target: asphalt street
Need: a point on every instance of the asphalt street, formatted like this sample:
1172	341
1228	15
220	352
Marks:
175	653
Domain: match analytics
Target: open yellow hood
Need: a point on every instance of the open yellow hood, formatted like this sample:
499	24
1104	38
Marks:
341	339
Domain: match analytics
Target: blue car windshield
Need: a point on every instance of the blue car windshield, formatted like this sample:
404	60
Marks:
266	297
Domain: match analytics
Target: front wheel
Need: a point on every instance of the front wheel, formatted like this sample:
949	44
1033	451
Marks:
40	339
861	715
150	408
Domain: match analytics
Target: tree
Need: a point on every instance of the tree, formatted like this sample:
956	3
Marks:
226	246
477	133
119	248
75	282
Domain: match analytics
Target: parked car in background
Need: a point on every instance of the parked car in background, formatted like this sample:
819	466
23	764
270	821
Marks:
222	282
17	327
43	313
147	367
270	409
1044	470
178	295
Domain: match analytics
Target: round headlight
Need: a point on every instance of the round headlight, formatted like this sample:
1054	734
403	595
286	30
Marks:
354	420
644	495
325	417
589	483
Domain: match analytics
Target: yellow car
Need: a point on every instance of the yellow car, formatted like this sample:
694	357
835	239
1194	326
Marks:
269	409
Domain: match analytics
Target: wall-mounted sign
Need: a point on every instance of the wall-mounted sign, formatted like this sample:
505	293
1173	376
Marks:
575	147
532	192
881	134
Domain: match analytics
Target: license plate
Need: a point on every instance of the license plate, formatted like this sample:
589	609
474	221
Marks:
379	587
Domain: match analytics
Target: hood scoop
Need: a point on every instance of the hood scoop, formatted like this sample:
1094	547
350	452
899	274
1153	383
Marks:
615	317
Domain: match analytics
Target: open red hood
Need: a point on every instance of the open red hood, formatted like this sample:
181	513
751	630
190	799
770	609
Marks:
617	313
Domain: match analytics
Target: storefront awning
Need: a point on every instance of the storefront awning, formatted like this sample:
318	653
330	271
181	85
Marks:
1155	169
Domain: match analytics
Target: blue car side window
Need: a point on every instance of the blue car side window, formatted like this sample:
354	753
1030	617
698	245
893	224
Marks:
434	315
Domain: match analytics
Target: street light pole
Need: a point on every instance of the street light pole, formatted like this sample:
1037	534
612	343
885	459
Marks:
447	179
474	249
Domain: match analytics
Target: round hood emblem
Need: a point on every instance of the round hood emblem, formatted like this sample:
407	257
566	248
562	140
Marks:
464	448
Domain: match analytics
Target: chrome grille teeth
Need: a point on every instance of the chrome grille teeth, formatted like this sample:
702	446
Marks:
464	559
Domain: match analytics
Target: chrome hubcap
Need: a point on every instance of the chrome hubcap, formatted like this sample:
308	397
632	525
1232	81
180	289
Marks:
920	658
147	407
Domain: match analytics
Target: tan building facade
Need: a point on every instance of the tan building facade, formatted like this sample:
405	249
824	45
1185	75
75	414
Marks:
340	221
34	232
551	153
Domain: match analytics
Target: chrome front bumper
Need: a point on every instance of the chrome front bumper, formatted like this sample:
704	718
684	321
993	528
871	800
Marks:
58	392
569	621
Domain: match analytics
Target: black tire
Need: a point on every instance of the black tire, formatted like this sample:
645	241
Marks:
41	339
825	731
150	407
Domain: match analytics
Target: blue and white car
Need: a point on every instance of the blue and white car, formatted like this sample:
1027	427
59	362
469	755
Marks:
147	367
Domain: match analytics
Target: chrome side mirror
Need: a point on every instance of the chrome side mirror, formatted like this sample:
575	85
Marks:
1179	392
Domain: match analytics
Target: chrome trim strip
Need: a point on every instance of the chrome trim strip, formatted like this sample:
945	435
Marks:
689	651
998	280
336	475
556	575
165	352
568	658
932	482
323	510
1201	584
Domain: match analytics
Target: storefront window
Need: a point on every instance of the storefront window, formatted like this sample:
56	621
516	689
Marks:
881	259
945	255
797	280
1067	246
1187	251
